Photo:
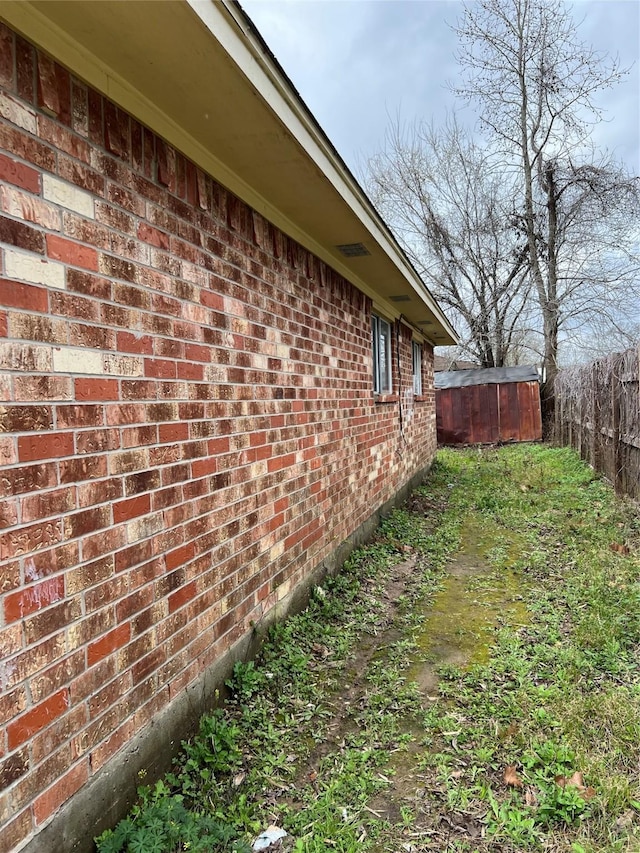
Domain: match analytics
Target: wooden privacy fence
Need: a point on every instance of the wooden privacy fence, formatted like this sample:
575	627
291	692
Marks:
598	414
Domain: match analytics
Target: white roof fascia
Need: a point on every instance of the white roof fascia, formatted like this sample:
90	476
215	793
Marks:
275	89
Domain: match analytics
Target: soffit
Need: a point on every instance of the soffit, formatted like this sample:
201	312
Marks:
196	73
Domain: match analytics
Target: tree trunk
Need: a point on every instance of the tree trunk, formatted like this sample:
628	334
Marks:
550	308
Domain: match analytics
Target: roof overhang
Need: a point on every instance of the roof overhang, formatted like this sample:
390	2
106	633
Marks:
485	376
198	73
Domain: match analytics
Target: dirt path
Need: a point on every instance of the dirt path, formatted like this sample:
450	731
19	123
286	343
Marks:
455	628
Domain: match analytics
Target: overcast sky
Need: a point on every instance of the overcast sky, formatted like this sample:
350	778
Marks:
360	63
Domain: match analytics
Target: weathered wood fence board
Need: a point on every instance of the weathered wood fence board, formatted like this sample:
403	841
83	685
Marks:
486	414
598	414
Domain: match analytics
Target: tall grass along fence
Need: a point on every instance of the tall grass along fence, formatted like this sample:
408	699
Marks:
598	414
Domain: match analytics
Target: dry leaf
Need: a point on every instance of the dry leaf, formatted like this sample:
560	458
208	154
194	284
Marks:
511	778
510	731
619	548
625	821
530	797
313	776
576	781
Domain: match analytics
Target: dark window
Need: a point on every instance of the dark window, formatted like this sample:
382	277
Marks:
381	340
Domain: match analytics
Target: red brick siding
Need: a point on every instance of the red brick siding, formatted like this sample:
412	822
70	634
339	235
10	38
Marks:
187	426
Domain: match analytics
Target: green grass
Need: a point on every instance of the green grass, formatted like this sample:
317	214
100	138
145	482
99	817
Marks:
329	723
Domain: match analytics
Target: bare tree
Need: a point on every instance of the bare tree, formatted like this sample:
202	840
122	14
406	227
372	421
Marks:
534	83
589	236
453	208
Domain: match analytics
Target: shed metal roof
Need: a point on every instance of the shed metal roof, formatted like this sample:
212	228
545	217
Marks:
485	376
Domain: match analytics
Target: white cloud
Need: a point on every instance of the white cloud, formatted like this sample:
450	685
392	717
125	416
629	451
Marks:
358	64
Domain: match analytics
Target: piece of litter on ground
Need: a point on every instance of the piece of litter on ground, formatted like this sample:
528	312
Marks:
270	837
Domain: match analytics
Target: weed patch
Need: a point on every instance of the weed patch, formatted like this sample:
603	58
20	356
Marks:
468	682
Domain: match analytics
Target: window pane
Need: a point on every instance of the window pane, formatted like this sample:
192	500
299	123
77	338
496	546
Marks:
385	357
375	348
381	347
417	369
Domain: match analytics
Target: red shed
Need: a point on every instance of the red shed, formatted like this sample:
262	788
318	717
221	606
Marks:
487	405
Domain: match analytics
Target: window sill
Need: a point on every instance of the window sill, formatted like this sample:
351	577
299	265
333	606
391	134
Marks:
385	398
422	398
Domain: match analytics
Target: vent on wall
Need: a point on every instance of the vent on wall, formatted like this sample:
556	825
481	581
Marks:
353	250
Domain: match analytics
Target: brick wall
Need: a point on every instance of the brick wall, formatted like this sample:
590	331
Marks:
187	427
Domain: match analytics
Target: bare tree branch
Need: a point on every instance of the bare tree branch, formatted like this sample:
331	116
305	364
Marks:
452	205
533	82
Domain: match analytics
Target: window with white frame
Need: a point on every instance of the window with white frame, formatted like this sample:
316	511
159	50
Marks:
381	342
416	350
